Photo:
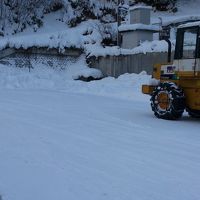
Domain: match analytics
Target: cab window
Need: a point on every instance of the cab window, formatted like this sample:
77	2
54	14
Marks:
189	43
186	43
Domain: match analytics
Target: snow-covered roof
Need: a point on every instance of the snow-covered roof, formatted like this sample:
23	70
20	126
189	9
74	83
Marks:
181	19
125	6
190	24
134	27
140	7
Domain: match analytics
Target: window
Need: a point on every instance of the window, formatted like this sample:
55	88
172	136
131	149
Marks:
189	43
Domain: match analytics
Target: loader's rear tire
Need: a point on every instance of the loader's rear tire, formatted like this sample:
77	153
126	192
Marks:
193	113
168	101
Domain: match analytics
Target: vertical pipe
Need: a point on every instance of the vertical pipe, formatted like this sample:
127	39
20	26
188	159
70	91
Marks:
118	23
169	50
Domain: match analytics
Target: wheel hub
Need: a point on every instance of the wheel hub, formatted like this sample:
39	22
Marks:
163	100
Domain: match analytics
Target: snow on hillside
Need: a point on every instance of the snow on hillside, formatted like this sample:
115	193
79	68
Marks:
185	9
54	34
57	34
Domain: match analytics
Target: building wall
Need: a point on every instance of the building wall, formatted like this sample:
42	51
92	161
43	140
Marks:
140	16
129	40
144	35
133	39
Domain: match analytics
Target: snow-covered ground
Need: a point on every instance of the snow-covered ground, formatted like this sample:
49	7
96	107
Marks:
91	141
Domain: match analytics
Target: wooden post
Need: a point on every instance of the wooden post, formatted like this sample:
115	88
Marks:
118	22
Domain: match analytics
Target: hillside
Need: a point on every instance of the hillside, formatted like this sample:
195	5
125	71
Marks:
88	35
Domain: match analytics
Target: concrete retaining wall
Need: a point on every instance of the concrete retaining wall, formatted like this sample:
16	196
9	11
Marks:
28	58
6	52
52	51
109	65
117	65
41	51
24	60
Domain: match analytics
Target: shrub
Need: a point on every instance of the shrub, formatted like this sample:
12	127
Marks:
162	5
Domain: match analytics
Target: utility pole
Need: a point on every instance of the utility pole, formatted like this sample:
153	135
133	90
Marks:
118	22
1	9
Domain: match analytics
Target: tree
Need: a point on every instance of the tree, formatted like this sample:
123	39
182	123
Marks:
161	5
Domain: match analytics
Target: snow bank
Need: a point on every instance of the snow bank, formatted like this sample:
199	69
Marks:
145	47
126	86
133	27
190	24
187	10
88	72
59	36
43	77
51	40
140	7
181	19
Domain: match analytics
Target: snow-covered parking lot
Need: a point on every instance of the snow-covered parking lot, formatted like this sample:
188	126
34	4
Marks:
92	141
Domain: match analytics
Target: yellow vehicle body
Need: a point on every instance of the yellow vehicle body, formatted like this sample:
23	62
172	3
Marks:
190	83
178	82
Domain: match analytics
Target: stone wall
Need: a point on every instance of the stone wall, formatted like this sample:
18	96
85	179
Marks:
29	57
6	52
23	60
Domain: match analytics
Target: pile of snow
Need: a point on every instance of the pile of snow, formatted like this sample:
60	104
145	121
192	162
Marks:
88	72
133	27
54	34
44	77
126	86
187	10
140	7
145	47
180	19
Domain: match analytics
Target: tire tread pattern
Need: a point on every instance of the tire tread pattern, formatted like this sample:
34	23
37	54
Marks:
177	101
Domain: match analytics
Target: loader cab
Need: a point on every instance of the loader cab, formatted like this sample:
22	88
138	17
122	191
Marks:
187	52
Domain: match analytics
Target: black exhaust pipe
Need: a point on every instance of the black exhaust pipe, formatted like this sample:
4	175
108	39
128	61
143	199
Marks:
169	55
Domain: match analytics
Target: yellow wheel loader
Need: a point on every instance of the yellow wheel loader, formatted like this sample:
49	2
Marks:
178	83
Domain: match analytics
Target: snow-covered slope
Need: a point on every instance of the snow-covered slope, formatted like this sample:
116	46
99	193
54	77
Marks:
55	33
185	9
